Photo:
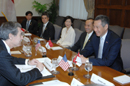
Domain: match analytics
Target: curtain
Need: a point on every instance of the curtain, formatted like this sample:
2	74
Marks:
74	8
90	6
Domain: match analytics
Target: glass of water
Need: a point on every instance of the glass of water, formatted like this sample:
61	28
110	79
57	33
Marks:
28	52
88	67
54	65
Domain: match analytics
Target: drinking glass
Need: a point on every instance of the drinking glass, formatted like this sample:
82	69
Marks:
35	39
28	52
54	65
43	51
74	68
88	67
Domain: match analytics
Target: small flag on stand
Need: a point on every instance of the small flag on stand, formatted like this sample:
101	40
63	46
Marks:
74	60
49	44
37	45
64	63
23	29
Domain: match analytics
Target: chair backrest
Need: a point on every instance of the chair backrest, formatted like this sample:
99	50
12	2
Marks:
126	34
59	21
82	26
78	33
77	24
117	29
125	53
57	31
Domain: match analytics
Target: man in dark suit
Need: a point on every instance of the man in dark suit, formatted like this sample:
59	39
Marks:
10	75
29	24
85	36
105	45
46	29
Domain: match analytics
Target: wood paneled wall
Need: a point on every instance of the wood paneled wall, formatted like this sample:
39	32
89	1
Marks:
117	10
19	19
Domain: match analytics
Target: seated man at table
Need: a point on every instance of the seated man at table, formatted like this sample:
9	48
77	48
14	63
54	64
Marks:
11	36
46	30
29	24
85	36
105	45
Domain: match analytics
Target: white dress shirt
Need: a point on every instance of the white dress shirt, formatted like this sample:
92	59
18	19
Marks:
101	45
67	37
43	29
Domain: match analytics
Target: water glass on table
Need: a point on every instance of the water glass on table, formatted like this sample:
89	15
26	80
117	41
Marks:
88	67
55	65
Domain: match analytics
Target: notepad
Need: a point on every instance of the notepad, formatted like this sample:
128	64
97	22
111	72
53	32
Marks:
27	34
56	48
15	52
123	79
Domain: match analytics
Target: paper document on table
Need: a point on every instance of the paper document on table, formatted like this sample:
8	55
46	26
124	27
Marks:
55	83
27	34
41	39
15	52
25	68
98	80
123	79
75	82
56	48
43	59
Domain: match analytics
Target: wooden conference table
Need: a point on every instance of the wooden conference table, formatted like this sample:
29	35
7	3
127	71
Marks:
103	71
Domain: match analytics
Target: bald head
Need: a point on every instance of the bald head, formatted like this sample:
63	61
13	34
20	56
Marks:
89	25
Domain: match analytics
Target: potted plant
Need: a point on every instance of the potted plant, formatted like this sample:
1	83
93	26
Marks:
52	11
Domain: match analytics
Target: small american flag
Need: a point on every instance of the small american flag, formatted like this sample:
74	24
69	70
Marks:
74	60
64	64
37	45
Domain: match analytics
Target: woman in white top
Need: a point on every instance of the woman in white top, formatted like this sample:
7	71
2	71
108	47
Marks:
68	34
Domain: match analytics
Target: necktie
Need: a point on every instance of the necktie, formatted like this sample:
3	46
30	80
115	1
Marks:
100	48
86	39
27	25
43	29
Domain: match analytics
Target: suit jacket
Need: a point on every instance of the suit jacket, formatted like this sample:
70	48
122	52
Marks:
33	27
111	51
49	31
9	74
80	42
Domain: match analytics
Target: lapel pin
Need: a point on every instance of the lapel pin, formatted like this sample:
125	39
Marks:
106	42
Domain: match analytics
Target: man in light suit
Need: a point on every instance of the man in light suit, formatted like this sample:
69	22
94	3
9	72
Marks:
30	24
105	45
10	75
46	29
85	36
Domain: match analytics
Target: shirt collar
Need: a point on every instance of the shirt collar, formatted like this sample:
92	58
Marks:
46	23
90	33
7	47
104	36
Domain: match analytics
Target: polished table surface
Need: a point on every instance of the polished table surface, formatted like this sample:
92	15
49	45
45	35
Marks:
103	71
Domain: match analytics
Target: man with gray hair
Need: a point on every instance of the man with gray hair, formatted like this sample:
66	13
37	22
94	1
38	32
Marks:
10	75
105	45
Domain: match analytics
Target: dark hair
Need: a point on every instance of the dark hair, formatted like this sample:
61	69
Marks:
91	19
28	12
46	14
69	17
7	28
104	19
